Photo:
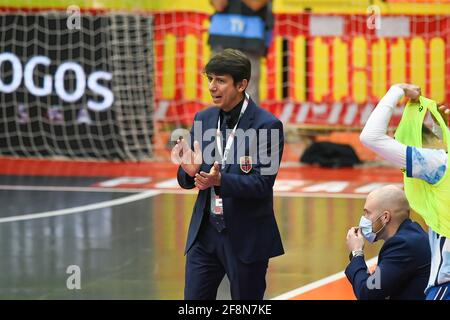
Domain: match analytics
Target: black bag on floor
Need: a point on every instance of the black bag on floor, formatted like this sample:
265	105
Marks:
332	155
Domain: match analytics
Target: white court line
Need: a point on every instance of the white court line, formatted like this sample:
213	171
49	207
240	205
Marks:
319	195
94	206
284	194
177	190
319	283
65	188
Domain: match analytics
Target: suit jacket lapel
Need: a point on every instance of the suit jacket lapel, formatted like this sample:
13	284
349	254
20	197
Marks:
211	122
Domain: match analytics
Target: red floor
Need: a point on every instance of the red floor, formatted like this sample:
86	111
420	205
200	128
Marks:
37	167
297	180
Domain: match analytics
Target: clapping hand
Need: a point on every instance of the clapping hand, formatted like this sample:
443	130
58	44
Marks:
189	160
205	180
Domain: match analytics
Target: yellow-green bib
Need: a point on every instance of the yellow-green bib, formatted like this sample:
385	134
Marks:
431	201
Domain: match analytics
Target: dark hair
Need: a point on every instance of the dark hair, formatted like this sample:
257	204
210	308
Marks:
232	62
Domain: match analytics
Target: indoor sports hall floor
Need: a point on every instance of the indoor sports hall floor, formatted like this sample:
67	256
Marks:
124	226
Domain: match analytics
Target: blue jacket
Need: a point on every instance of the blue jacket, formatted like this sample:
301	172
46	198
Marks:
255	33
247	197
404	267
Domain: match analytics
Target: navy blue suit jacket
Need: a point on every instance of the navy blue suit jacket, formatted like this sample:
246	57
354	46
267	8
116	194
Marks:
247	197
404	267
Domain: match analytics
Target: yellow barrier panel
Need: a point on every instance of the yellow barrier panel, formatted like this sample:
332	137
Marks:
340	69
339	212
299	69
417	65
359	6
206	55
169	67
203	6
263	80
320	223
359	83
278	68
169	227
379	66
320	70
397	62
190	67
437	69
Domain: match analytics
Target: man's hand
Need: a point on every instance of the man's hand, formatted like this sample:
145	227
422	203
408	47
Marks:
412	91
355	240
189	160
219	5
445	113
205	180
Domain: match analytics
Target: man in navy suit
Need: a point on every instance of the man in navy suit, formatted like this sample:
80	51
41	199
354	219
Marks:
404	259
233	229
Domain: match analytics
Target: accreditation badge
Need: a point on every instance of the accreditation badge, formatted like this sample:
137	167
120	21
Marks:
218	207
245	164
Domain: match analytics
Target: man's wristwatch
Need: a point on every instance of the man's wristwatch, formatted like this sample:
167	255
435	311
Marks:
355	253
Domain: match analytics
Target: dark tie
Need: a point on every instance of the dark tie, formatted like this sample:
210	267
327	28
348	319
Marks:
226	120
217	220
223	128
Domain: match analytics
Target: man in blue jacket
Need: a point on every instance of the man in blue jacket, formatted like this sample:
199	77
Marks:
404	259
245	25
233	229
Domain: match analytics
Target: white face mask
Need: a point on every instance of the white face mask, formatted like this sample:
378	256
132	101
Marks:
366	227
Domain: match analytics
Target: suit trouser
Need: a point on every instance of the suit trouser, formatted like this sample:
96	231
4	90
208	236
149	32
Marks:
210	258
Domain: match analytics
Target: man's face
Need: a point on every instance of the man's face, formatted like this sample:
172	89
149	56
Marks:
225	94
374	215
